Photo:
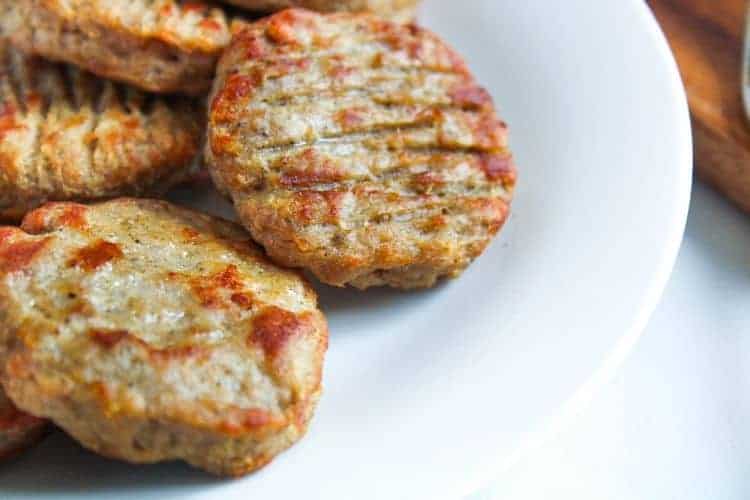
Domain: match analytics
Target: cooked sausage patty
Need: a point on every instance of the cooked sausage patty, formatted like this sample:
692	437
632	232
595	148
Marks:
360	149
66	134
150	332
396	10
160	46
18	430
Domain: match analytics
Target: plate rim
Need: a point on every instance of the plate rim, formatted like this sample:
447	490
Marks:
579	401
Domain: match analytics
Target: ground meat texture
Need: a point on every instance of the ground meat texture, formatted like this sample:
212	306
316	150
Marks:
68	135
159	46
357	148
150	332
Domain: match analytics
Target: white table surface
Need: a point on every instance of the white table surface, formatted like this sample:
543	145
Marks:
675	421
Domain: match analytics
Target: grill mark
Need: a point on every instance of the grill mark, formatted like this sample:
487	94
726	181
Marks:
345	150
14	78
340	137
403	180
49	83
154	174
59	87
480	124
377	98
379	104
8	92
48	178
91	139
147	105
307	94
406	209
132	101
45	97
367	98
68	77
378	132
90	89
32	122
98	90
398	182
393	169
119	95
361	47
449	190
329	146
363	95
26	84
362	138
398	93
370	75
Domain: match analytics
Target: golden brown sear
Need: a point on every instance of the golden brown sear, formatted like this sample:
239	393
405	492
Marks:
159	46
360	149
68	135
150	332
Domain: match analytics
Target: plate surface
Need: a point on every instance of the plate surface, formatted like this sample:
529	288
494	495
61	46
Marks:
428	395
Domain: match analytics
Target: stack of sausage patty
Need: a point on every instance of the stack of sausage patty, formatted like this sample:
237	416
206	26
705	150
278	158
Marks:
352	143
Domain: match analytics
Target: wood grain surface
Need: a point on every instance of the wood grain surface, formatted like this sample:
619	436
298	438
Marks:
706	37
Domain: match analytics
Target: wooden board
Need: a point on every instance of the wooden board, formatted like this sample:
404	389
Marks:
706	37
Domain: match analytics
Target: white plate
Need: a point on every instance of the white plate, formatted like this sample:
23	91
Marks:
431	394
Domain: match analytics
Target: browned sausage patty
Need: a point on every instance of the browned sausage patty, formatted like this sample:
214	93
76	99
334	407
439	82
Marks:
66	134
150	332
18	430
360	149
159	46
396	10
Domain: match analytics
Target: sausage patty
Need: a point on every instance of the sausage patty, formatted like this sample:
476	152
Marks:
360	149
159	46
66	134
150	332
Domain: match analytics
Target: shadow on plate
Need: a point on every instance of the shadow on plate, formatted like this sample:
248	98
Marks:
337	300
59	466
204	198
340	303
720	230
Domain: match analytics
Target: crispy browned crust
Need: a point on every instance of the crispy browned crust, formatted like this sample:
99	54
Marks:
395	10
360	149
150	332
68	135
18	430
164	46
